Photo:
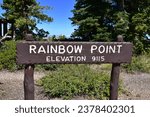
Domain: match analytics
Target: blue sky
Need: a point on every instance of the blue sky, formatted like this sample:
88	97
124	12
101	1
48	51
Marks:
61	11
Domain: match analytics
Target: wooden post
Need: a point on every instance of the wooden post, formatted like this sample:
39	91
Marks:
29	77
29	82
114	82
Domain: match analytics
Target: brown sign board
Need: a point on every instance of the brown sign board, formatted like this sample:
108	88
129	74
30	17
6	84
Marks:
34	52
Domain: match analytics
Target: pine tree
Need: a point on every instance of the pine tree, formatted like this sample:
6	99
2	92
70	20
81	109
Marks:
103	20
26	14
89	18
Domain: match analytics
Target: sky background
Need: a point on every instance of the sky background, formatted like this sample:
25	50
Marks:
61	11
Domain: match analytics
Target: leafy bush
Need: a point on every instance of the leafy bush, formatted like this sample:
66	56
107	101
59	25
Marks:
139	64
76	80
51	67
8	55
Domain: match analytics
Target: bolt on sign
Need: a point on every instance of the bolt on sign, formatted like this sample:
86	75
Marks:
73	52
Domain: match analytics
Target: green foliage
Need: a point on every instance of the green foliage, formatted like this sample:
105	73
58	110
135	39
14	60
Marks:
103	20
138	47
88	16
41	33
61	37
57	38
25	14
8	56
139	64
121	23
76	80
47	67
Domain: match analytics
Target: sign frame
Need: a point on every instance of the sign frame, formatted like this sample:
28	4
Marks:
34	52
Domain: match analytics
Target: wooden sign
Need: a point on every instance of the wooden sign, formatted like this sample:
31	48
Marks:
73	52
